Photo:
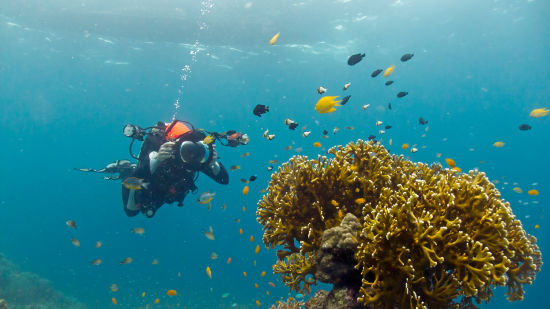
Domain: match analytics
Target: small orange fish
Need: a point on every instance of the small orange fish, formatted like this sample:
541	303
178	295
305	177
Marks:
334	203
317	144
257	249
237	220
533	192
96	262
438	155
537	226
456	169
254	262
113	300
405	146
71	224
143	294
98	244
241	231
498	144
246	154
258	303
245	190
114	287
127	260
391	141
155	262
244	273
271	284
234	167
251	238
360	200
208	272
75	242
171	293
450	162
262	274
256	285
229	260
157	301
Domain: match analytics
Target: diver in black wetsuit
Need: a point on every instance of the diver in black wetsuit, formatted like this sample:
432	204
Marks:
169	160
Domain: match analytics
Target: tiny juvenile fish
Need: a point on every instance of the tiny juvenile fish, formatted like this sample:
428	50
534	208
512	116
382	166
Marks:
206	198
376	73
96	262
345	100
127	260
402	94
138	230
234	167
71	224
406	57
209	234
346	86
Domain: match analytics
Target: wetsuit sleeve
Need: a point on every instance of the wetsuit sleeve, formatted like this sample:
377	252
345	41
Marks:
151	143
222	177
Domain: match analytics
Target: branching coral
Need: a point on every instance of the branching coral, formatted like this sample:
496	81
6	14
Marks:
427	235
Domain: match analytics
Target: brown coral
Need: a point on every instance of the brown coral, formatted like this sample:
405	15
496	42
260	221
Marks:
428	235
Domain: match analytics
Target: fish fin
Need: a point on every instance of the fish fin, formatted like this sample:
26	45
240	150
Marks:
145	185
331	110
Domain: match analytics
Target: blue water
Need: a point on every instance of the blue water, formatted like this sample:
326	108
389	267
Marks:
72	74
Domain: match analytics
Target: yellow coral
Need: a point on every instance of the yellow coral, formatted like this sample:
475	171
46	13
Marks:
428	235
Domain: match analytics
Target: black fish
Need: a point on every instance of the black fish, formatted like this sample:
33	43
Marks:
252	178
389	105
524	127
402	94
260	109
375	73
354	59
406	57
387	127
325	132
293	125
422	121
371	137
388	82
345	100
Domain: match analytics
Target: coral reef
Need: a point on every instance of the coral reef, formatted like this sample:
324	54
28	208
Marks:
418	236
27	290
3	304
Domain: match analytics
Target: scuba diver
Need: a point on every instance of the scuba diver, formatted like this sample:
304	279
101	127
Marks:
168	164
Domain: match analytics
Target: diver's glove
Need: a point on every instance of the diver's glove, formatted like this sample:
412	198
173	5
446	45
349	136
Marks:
214	166
166	151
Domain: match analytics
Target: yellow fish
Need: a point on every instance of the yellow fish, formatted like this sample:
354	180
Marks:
208	272
245	190
114	287
539	112
207	140
533	192
360	200
257	249
262	274
113	300
317	144
517	189
389	71
274	38
209	234
138	230
498	144
326	104
450	162
171	293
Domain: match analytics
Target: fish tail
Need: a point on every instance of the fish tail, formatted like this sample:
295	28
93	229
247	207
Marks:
145	185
